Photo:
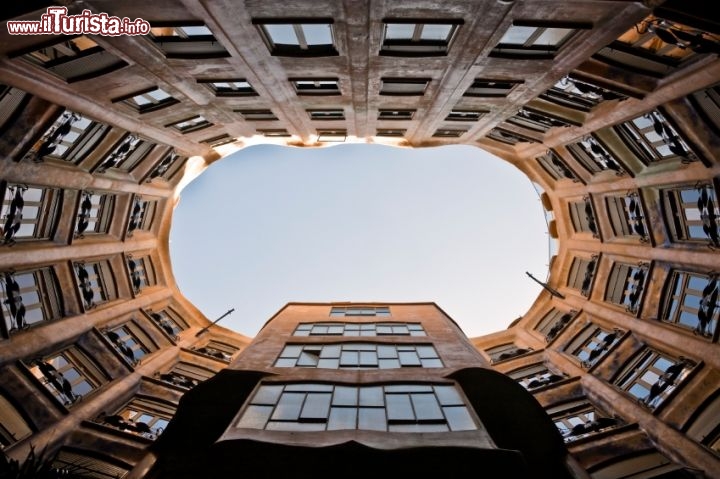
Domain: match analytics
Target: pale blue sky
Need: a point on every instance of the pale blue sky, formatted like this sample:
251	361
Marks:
270	225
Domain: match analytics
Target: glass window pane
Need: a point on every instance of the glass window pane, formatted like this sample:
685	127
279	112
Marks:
372	419
255	417
372	396
399	407
342	418
328	363
330	351
436	32
553	36
288	408
399	31
389	363
282	34
345	396
316	406
516	35
317	34
426	407
459	419
448	395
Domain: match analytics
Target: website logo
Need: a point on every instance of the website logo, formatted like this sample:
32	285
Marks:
57	22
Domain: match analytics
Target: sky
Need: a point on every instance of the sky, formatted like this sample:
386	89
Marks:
269	225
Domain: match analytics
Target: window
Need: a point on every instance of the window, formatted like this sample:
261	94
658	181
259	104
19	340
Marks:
12	102
405	37
707	104
510	137
554	322
13	427
68	375
94	213
145	417
186	375
396	114
692	214
403	86
218	140
273	132
217	350
537	121
76	59
594	157
188	125
306	37
534	40
359	356
627	216
188	40
382	311
29	212
327	114
70	138
359	329
141	215
654	47
465	115
653	139
492	88
535	376
257	115
582	273
127	153
691	302
390	132
652	376
167	167
95	282
229	87
141	272
169	321
316	86
579	95
626	285
705	426
449	133
147	100
332	135
505	351
580	419
130	341
79	464
583	217
326	407
29	297
556	167
649	465
592	344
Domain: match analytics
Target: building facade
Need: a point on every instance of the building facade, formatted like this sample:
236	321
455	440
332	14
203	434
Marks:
611	107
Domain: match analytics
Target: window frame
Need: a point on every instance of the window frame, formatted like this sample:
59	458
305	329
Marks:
153	103
529	49
18	201
645	362
491	88
181	45
319	88
214	85
417	46
61	65
405	86
302	49
358	356
45	288
679	290
99	283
